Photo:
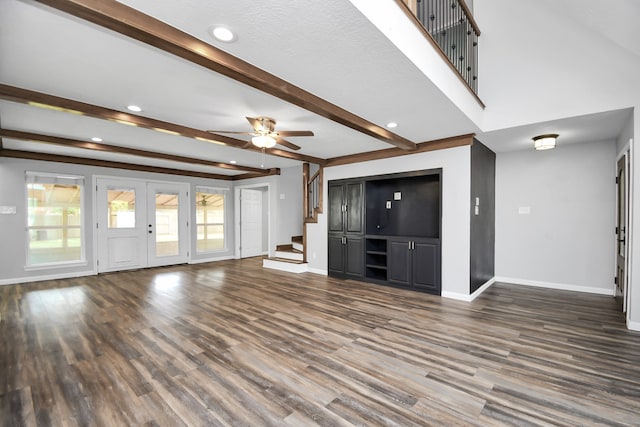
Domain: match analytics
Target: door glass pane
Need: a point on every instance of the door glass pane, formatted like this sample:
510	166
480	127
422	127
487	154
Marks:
121	204
167	236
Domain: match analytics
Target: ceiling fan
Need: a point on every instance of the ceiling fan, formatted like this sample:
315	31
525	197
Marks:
264	133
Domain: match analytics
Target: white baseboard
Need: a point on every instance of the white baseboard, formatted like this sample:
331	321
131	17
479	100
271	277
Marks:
471	297
559	286
18	280
633	326
318	271
201	261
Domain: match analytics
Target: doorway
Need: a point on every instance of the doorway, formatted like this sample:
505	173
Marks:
141	224
252	220
622	227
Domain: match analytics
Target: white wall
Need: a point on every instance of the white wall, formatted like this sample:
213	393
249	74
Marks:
567	241
289	208
539	61
456	187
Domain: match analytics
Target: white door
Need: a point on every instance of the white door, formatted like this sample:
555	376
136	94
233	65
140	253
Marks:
167	224
141	224
121	228
250	223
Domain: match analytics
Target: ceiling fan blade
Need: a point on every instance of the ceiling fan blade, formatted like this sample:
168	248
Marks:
230	131
295	133
255	123
287	144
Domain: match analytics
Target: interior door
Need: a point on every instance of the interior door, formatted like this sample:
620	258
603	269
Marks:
167	230
250	223
121	216
621	230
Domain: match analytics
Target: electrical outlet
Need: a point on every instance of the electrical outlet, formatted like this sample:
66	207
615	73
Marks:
388	204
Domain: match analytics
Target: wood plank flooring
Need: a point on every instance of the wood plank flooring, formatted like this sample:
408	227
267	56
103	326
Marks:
231	343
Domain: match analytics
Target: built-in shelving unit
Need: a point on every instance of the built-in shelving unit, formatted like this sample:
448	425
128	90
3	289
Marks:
386	229
376	259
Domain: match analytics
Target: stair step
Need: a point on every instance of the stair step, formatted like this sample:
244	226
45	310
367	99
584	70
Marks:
297	239
291	254
285	265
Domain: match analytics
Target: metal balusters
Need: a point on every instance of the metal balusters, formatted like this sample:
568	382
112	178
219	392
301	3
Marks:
452	27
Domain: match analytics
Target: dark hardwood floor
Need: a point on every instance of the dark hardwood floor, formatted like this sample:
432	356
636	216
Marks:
231	343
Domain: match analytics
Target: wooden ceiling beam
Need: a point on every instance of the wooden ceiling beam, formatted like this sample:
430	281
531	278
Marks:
18	154
39	99
75	143
439	144
146	29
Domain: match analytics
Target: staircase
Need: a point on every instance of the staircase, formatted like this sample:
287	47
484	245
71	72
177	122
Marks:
292	257
289	257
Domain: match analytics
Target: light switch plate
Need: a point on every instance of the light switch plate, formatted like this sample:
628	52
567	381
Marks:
7	210
397	195
524	210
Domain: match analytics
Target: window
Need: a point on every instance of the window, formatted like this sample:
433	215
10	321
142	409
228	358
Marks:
210	219
54	219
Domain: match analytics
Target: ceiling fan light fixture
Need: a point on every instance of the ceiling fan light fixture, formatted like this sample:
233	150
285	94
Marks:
263	141
545	142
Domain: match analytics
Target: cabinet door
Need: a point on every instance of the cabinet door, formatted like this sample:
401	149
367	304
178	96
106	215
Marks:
399	259
336	260
355	207
354	256
336	214
426	274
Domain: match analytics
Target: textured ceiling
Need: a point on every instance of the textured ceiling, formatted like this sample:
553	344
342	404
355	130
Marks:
327	48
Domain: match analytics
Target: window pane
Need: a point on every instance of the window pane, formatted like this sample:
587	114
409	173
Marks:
122	208
54	223
209	221
167	236
210	238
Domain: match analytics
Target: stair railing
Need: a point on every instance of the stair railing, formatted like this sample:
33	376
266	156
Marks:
451	26
312	201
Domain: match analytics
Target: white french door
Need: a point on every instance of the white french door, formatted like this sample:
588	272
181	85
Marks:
140	224
167	224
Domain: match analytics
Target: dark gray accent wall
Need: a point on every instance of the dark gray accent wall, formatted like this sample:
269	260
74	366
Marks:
483	225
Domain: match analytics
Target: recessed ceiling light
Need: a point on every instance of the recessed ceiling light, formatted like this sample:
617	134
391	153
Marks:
223	34
134	108
392	125
96	139
233	162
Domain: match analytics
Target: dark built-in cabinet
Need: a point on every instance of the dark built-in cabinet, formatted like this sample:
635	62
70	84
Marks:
386	229
346	229
414	263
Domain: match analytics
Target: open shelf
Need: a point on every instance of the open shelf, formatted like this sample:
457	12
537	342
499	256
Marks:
376	258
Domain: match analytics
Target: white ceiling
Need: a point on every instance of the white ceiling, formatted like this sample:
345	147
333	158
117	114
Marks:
327	48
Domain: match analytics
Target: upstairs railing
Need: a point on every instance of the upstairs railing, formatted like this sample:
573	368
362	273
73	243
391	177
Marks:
451	25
